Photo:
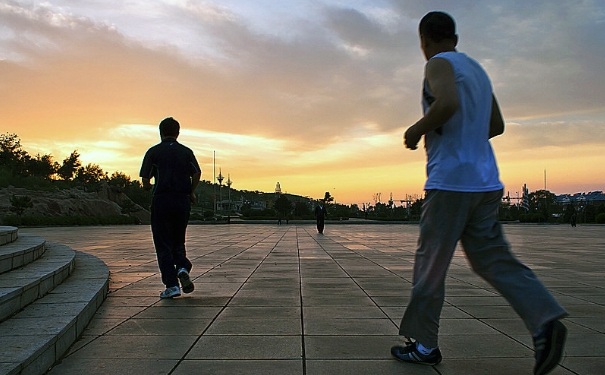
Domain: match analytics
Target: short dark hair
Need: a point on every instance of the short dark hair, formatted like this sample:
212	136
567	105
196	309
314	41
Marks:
169	127
438	26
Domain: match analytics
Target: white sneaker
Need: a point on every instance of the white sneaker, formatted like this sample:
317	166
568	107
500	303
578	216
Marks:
185	280
173	291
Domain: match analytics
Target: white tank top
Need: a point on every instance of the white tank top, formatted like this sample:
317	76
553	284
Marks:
459	154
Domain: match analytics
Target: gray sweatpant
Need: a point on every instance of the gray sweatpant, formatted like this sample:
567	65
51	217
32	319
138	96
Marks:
472	218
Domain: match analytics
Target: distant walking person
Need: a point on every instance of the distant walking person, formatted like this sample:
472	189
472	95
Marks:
320	216
463	192
177	174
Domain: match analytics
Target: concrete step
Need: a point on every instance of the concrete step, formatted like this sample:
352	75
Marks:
22	286
48	295
7	234
39	335
20	251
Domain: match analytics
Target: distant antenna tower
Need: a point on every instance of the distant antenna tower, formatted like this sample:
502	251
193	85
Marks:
377	198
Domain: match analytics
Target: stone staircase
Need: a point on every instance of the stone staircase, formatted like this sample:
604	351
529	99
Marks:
48	295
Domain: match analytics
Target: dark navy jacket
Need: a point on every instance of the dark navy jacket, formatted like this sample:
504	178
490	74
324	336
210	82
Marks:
172	165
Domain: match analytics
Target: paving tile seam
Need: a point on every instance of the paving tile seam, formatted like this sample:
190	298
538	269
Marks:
219	265
126	285
359	286
350	277
302	313
488	288
501	332
199	337
582	299
596	331
108	332
463	279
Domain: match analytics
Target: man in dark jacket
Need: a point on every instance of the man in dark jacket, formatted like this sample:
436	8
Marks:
177	174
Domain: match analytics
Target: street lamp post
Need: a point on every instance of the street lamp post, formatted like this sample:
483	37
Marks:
220	185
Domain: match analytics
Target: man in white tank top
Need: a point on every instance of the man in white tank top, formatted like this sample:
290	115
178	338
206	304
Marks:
463	193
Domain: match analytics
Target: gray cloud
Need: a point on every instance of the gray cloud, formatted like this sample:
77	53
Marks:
542	55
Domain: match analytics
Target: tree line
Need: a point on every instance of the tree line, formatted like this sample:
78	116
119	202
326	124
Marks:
42	172
19	163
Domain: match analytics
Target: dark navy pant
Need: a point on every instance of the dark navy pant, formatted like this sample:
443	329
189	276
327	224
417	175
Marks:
320	224
169	218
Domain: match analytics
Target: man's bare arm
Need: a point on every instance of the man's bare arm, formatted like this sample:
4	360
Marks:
442	82
496	122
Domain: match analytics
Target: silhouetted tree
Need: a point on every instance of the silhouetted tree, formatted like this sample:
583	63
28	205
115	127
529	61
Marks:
283	206
590	213
20	203
119	179
90	174
570	210
41	166
416	209
542	201
302	209
340	211
381	210
12	154
70	166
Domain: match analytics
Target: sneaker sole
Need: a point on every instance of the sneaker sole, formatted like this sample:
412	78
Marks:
171	296
186	283
559	335
394	353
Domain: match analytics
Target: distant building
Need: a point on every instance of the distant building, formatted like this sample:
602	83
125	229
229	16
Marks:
257	204
592	197
277	188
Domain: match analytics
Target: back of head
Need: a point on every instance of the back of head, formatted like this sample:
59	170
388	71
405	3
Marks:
438	26
169	127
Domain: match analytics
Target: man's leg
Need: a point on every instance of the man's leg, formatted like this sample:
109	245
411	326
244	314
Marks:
441	223
182	265
179	232
320	225
489	255
162	239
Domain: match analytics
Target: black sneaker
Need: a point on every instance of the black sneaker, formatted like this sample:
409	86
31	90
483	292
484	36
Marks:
409	353
548	347
185	280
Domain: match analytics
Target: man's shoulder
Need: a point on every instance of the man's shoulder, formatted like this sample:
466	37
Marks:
153	149
166	145
185	147
186	150
453	58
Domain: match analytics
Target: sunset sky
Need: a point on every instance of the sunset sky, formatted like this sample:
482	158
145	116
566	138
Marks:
315	94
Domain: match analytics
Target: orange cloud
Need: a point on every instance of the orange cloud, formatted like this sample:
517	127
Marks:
317	101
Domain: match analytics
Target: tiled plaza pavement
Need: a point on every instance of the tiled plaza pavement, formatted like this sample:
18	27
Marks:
284	300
